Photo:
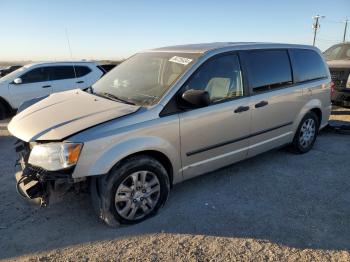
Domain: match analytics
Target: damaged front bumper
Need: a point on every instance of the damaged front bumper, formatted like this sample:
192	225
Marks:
37	184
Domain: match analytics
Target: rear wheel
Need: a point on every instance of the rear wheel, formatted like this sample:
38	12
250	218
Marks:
134	190
306	133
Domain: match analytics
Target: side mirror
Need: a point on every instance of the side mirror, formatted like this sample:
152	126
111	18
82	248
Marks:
196	98
17	81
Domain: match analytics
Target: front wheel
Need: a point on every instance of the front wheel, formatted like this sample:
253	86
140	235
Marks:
306	133
134	190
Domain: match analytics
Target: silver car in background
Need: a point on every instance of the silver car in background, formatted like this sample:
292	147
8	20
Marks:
167	115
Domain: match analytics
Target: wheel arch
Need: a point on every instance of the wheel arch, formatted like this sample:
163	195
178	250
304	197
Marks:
318	113
6	104
315	106
157	155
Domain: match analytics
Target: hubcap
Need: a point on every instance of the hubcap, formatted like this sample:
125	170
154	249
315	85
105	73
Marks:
307	132
137	195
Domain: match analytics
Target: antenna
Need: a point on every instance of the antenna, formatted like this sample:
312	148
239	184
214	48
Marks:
346	25
70	52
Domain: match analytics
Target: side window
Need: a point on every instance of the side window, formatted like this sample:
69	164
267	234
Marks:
308	65
62	72
36	75
347	53
268	69
82	70
220	76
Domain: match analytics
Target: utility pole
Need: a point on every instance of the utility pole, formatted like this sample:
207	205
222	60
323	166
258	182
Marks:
316	25
346	25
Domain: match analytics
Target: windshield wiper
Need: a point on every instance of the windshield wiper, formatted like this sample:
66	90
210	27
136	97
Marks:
115	98
89	89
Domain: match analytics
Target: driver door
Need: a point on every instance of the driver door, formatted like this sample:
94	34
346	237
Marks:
35	83
215	136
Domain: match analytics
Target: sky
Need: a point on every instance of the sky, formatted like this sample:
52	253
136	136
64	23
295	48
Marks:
38	29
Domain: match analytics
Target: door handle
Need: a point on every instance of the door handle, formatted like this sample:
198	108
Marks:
46	86
261	104
80	82
241	109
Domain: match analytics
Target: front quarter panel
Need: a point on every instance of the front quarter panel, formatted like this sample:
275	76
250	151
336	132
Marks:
101	153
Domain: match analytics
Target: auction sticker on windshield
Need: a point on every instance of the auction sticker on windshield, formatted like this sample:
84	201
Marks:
180	60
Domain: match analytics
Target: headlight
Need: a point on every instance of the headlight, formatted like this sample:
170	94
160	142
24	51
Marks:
55	156
348	82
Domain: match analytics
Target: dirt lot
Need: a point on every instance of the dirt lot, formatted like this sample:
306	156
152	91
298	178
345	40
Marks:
276	206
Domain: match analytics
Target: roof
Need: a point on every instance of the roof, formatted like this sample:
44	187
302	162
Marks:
60	62
205	47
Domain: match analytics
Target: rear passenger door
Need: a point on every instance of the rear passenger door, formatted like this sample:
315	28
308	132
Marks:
88	75
63	78
85	76
275	101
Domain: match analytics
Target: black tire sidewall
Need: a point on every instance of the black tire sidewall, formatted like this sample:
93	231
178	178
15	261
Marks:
296	142
3	111
120	172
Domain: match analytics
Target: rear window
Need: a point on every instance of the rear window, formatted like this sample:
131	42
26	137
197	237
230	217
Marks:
268	69
308	65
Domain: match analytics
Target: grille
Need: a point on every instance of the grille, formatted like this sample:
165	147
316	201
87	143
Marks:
339	78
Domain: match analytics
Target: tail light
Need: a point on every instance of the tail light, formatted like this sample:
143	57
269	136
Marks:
332	88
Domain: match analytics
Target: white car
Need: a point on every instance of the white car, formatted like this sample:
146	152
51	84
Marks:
41	79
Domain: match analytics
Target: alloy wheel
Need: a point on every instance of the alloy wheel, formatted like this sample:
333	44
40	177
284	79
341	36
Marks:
137	195
307	132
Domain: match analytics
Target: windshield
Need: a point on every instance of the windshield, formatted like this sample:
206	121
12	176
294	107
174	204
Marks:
338	52
145	77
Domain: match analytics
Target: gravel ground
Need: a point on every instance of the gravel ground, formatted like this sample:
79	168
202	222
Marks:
276	206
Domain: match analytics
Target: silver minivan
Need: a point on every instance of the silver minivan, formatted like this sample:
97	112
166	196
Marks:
167	115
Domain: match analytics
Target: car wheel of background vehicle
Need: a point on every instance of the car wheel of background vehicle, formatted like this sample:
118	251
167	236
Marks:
133	191
306	133
3	111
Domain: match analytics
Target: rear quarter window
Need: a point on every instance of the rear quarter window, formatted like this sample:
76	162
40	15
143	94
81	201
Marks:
307	65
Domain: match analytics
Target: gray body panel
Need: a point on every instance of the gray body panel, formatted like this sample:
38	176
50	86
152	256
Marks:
196	141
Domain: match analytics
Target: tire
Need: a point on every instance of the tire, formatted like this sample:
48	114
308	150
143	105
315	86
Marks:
306	134
3	111
122	190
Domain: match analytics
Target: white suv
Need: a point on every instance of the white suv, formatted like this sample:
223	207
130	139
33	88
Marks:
41	79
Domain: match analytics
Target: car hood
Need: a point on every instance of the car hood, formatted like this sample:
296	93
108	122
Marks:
63	114
3	81
338	63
